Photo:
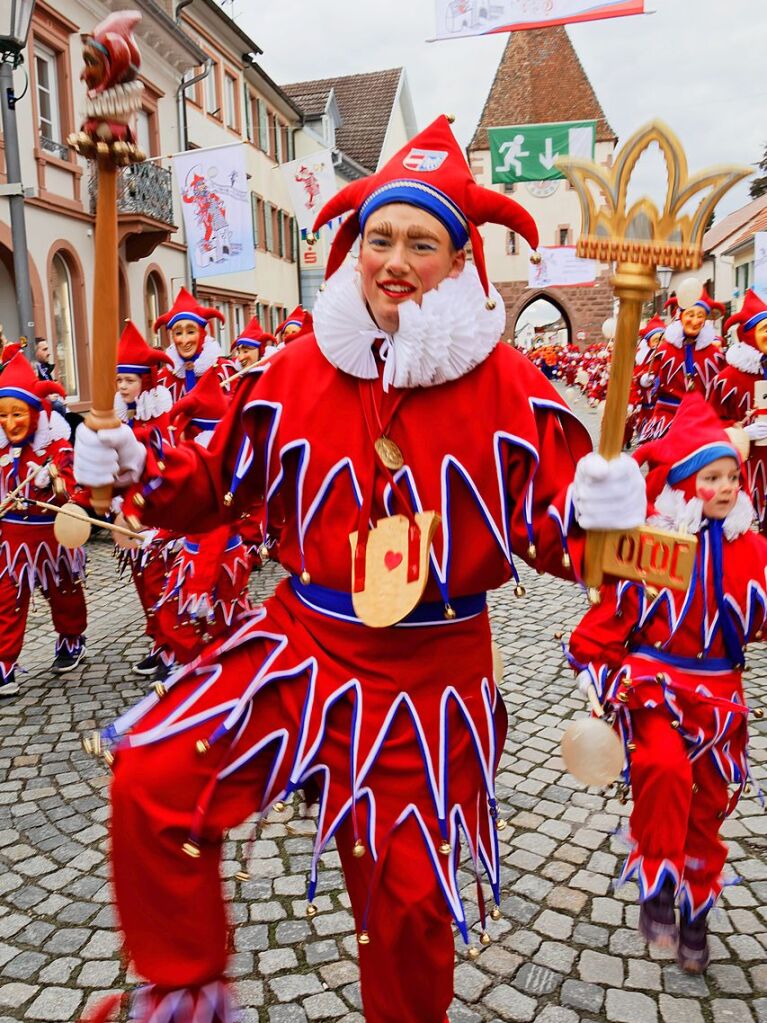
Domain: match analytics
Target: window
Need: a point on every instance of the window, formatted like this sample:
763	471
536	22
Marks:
144	132
260	313
280	233
274	319
247	106
155	305
511	243
289	228
272	137
230	101
263	126
65	355
49	112
211	90
563	236
279	131
291	144
239	320
509	187
269	223
255	214
743	276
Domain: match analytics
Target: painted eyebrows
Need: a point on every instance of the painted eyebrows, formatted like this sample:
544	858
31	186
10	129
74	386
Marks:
414	232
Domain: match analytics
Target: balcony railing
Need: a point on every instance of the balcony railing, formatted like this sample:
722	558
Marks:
143	189
56	148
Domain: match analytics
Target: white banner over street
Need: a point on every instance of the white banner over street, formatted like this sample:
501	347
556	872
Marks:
457	18
311	182
561	268
216	206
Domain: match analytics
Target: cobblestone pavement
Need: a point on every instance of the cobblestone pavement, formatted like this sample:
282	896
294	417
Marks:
566	948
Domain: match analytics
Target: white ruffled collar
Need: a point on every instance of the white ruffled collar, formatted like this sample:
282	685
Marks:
209	356
744	357
675	512
50	427
149	404
674	334
450	333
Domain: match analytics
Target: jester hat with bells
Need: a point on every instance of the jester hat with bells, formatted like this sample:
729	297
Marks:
186	307
300	318
254	336
20	381
113	39
134	355
657	325
695	438
752	312
431	173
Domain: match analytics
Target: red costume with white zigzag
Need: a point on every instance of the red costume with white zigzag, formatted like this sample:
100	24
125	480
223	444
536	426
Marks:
733	392
397	731
670	666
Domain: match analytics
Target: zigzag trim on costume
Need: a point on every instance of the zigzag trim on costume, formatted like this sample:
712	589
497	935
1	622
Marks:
212	1003
41	566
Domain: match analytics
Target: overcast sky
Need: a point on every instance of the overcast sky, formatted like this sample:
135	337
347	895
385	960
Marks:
700	65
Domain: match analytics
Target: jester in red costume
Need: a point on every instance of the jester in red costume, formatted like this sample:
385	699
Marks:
400	407
739	393
643	383
209	209
112	63
687	359
294	326
206	583
144	404
253	345
192	350
669	667
35	451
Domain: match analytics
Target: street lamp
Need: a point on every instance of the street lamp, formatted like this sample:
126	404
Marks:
664	275
15	19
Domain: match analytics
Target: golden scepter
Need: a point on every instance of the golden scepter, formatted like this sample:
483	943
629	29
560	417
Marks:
639	239
112	61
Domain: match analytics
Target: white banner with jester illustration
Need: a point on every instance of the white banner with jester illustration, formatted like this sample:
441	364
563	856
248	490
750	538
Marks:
215	201
479	17
311	182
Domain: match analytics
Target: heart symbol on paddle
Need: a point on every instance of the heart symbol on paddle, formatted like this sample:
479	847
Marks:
392	559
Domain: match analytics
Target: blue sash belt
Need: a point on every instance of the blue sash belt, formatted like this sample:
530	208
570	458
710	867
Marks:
27	520
338	604
685	663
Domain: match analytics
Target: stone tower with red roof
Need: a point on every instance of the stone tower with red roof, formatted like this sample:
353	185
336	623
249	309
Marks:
541	80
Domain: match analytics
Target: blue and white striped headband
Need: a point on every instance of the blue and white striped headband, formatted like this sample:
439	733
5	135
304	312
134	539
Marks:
187	316
425	197
700	459
22	395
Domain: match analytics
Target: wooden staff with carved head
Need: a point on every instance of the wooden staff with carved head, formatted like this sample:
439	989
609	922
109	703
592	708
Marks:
111	65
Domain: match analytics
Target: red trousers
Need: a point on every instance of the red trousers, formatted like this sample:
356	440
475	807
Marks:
679	807
171	907
149	580
68	611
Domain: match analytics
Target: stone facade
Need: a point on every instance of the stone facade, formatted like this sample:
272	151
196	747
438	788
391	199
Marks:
585	308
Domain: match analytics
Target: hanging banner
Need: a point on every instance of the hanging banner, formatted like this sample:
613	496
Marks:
760	263
456	18
215	201
528	152
561	268
311	182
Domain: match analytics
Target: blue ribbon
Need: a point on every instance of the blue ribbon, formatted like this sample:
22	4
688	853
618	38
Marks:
131	406
190	378
689	358
732	643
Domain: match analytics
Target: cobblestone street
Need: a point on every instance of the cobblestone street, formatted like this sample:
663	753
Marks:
566	948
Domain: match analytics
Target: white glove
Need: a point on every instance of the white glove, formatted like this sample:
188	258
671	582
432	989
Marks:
108	456
609	495
42	478
758	429
646	380
584	682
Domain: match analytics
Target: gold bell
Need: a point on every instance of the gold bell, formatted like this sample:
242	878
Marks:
109	758
759	713
519	590
449	612
363	938
446	848
660	677
92	744
322	286
651	592
191	849
695	788
160	465
160	690
566	562
623	697
536	258
500	824
311	910
557	635
490	304
450	118
473	952
631	746
228	499
495	913
305	578
532	552
279	806
263	552
485	939
242	875
202	746
746	790
675	724
359	849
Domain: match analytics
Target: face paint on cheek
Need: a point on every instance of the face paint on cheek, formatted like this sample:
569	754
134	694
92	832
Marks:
706	493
